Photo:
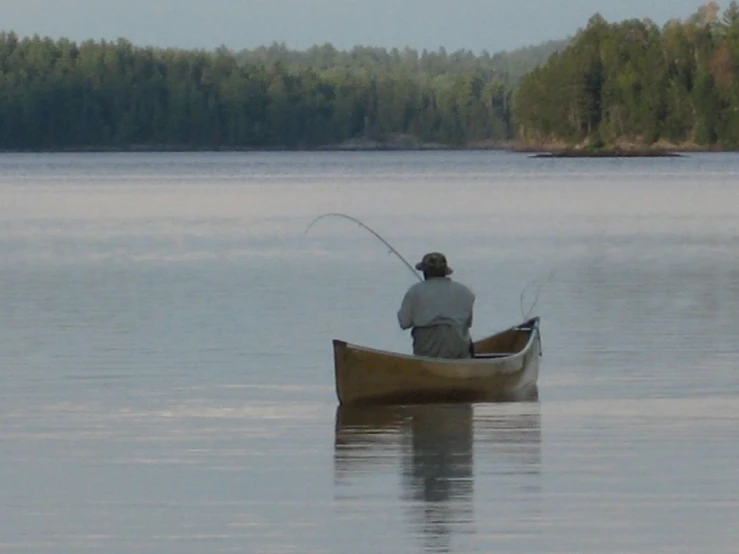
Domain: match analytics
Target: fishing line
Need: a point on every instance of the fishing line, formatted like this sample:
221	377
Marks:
524	313
386	243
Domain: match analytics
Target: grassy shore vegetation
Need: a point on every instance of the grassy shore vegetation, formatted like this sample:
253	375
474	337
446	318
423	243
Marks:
628	88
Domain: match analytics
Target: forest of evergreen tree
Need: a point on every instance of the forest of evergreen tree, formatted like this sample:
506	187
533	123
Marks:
630	81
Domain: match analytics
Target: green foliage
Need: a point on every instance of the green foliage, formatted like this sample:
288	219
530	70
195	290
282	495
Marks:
632	82
62	95
425	65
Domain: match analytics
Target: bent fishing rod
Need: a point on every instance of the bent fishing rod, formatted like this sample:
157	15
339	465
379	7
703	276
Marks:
375	233
525	314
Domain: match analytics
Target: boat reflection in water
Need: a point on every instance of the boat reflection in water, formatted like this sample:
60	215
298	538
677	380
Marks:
435	446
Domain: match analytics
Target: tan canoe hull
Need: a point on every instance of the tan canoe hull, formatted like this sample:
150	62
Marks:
507	370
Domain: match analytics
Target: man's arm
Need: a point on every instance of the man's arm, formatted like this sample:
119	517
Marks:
405	314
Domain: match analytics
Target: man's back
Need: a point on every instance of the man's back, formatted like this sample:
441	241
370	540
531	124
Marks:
439	311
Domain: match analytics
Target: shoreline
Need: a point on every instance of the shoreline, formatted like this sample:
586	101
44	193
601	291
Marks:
404	144
658	150
611	154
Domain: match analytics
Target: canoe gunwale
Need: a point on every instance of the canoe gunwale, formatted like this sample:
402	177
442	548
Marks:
531	326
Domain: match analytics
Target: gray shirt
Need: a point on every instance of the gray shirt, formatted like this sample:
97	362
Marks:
439	311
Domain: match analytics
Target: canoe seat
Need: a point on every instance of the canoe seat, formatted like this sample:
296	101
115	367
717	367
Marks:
487	355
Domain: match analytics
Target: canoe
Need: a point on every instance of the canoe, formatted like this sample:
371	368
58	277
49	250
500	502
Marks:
505	368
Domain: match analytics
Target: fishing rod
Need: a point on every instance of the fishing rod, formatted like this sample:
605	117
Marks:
524	313
386	243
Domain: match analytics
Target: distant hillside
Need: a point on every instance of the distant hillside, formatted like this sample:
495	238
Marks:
508	67
64	95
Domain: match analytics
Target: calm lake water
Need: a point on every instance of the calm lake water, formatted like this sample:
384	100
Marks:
167	375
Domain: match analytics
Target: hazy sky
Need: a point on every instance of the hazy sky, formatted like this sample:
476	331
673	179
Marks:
492	25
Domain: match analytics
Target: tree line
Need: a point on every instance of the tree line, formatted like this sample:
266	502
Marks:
59	94
630	82
636	83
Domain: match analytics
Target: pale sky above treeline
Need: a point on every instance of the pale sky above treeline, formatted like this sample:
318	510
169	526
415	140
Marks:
477	25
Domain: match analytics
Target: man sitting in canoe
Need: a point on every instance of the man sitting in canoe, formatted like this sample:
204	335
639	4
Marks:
439	311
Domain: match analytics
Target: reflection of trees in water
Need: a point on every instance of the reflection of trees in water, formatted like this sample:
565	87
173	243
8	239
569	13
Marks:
435	445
